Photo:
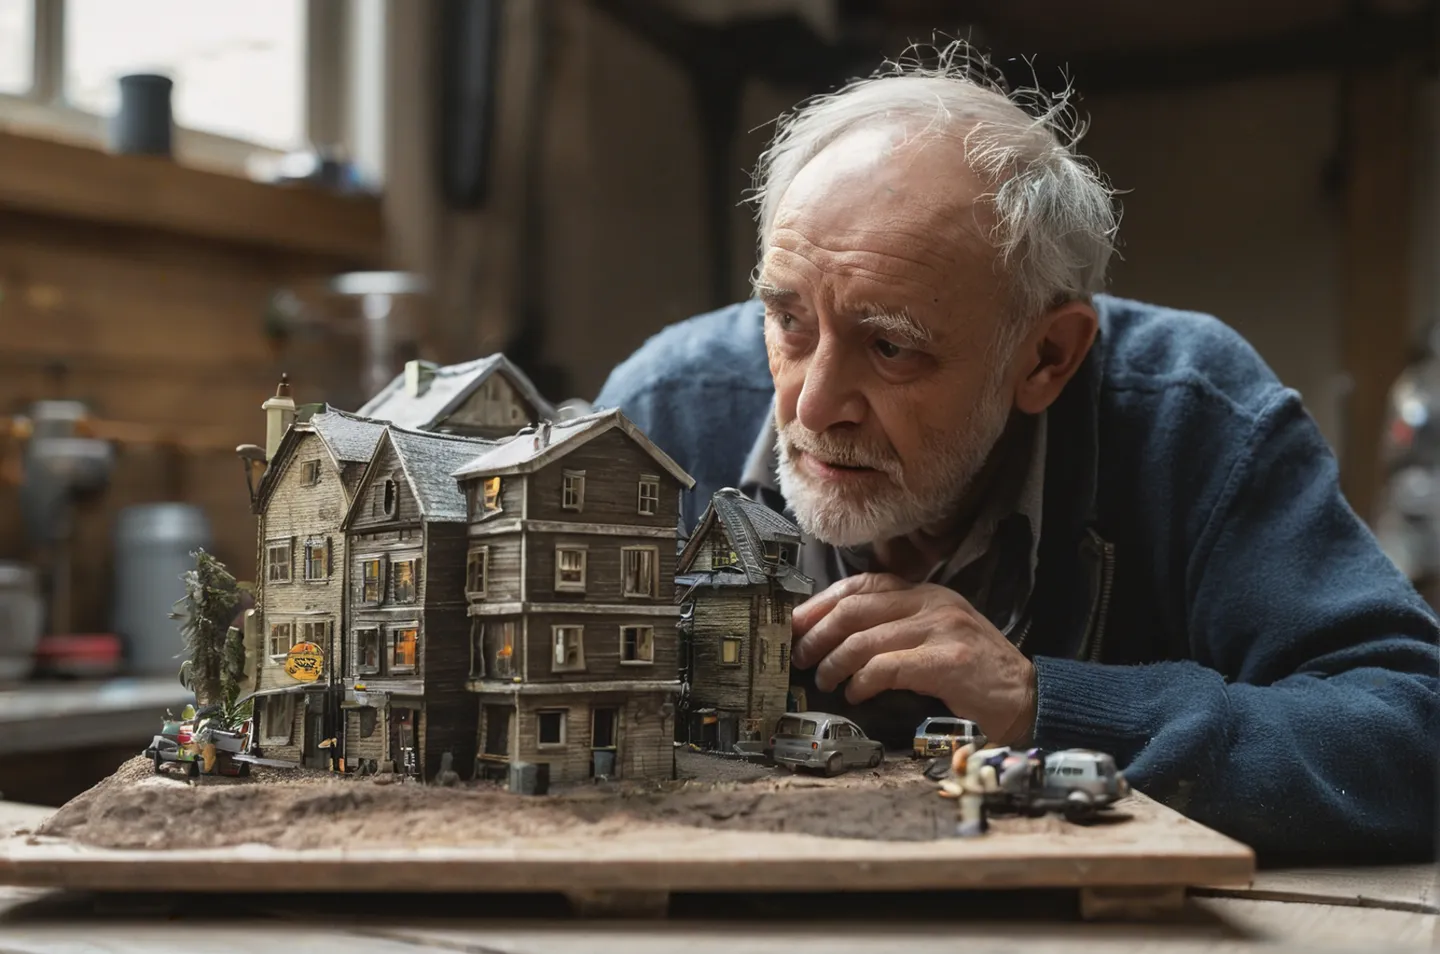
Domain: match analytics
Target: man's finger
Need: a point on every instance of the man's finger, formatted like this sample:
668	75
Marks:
810	612
853	614
859	648
894	670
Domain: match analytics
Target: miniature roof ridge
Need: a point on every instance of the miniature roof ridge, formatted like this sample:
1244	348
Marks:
740	516
449	387
516	455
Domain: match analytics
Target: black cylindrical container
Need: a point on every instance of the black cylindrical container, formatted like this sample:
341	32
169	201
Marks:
143	124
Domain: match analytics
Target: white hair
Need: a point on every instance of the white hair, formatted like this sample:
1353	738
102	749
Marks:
1054	218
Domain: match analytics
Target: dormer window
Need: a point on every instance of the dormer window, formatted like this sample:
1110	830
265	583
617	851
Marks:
789	554
311	473
490	496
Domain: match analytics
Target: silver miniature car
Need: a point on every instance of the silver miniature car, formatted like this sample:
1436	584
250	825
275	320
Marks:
940	735
1083	781
819	740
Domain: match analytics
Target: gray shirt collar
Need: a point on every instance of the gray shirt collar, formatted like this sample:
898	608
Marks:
826	564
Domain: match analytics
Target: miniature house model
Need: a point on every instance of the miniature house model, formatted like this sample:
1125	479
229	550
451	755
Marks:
737	583
571	572
487	397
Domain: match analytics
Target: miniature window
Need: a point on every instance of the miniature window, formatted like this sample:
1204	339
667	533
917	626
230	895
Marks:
490	499
723	557
315	631
502	648
367	722
730	650
312	473
637	644
788	554
772	551
403	644
277	556
784	654
403	572
649	502
367	651
475	567
572	493
477	648
550	725
370	580
570	569
317	559
280	639
569	655
641	567
390	492
764	656
779	610
279	719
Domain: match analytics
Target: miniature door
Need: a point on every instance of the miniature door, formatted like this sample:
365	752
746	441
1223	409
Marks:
604	742
402	741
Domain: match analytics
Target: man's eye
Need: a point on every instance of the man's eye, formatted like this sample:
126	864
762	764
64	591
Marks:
888	349
786	321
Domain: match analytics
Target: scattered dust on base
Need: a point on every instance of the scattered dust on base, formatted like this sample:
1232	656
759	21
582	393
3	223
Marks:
305	808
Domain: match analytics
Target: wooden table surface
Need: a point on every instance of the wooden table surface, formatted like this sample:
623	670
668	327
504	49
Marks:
1300	910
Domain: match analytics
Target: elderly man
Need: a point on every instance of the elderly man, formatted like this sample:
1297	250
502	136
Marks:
1077	520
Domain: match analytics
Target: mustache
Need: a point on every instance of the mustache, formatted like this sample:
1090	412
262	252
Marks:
842	452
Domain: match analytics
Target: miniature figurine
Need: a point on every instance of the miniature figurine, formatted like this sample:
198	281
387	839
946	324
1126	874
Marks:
939	735
973	778
1077	783
818	740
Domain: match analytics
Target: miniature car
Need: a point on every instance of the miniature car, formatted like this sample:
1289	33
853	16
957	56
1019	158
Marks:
1075	782
818	740
177	742
939	735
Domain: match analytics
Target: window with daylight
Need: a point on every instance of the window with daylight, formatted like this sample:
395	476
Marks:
367	651
649	502
550	727
637	644
277	559
570	569
403	646
317	559
403	573
281	639
17	46
572	491
312	473
371	580
641	571
730	650
569	649
475	567
490	496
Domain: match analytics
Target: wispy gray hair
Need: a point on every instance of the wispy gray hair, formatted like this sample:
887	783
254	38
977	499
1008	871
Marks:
1055	218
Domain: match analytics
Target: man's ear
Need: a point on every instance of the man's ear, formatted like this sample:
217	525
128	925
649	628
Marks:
1052	353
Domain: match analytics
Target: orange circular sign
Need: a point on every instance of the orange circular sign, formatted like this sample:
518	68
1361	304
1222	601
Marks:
305	662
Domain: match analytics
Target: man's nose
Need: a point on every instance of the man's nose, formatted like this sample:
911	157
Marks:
831	393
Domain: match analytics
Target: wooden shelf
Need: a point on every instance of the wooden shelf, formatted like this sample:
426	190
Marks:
74	182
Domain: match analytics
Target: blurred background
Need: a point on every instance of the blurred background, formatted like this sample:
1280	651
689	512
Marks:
197	197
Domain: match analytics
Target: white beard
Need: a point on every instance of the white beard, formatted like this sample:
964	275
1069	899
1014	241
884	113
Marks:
924	497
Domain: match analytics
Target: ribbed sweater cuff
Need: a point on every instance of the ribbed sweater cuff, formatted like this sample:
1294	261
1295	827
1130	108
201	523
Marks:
1093	706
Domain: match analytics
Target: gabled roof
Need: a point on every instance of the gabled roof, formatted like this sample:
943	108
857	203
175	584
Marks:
750	525
426	459
349	439
450	386
534	448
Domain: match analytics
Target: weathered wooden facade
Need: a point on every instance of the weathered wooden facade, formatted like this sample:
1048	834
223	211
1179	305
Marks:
737	584
405	654
570	576
487	397
314	466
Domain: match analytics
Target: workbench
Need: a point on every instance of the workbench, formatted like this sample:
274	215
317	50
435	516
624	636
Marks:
1299	910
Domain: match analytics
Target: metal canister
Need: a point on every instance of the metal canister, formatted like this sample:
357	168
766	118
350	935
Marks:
153	547
22	613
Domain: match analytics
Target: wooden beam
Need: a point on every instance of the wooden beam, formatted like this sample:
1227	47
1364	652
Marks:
1375	298
74	182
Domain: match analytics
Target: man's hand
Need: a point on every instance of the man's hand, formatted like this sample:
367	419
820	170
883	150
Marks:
881	632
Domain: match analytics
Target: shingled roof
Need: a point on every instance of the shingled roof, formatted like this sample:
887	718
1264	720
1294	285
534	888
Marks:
534	448
749	525
349	438
427	459
449	386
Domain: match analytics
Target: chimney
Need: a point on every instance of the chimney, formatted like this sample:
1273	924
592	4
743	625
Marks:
418	375
279	415
544	433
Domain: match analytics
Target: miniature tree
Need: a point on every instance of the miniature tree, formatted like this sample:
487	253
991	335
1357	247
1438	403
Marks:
211	596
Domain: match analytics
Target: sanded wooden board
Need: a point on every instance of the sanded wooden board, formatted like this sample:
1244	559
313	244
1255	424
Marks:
1156	847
